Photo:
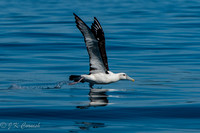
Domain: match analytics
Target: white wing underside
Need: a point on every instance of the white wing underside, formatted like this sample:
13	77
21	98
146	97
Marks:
96	63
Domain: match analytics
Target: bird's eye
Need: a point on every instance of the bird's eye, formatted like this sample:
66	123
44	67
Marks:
124	74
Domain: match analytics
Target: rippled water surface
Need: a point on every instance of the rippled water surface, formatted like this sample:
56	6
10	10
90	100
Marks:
155	42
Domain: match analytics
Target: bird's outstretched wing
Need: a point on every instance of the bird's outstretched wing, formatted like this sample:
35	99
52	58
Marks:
95	43
99	34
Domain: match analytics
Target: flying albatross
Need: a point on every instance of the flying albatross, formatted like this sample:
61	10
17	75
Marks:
95	43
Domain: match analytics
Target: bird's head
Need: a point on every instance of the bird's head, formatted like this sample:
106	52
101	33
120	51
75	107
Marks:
125	76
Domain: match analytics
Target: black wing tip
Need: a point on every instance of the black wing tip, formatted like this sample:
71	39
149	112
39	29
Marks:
77	17
75	14
97	29
77	20
96	24
96	20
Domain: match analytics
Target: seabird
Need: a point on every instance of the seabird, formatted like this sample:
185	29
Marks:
95	43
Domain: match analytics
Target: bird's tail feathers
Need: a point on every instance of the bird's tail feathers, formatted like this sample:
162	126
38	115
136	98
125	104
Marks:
76	78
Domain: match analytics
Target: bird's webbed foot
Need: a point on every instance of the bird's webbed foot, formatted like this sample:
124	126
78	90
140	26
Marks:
73	83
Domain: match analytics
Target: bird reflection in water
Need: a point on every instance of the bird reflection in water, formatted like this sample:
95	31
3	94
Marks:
98	97
87	126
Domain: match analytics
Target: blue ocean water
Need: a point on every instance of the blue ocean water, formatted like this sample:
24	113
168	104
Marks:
155	42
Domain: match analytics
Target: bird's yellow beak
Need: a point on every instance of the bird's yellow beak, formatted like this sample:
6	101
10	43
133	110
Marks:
129	78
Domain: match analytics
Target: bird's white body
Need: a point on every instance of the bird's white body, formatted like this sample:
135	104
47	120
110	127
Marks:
101	78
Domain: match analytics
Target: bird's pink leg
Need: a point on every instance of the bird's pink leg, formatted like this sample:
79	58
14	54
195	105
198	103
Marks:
73	83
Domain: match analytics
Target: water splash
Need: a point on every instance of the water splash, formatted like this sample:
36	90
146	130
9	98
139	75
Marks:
57	85
15	86
61	83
